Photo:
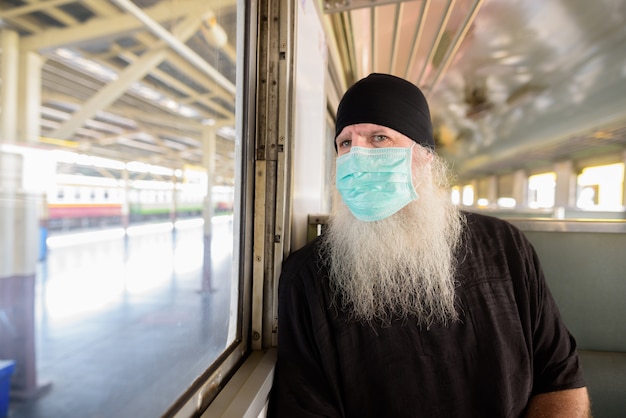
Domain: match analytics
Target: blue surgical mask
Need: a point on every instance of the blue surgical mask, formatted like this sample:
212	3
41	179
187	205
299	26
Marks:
375	183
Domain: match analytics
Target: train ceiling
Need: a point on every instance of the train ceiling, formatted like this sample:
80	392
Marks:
508	80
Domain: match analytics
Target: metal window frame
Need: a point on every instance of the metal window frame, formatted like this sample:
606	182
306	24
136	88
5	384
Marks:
241	378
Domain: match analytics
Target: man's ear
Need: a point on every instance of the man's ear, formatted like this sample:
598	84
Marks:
422	155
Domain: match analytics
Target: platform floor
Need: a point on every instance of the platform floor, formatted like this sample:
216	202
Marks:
124	325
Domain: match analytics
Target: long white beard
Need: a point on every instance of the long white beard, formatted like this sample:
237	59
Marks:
401	267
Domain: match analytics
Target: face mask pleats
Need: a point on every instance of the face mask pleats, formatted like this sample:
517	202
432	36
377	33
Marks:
375	183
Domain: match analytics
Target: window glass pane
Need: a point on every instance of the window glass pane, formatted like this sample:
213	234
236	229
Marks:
506	202
119	282
541	190
455	195
601	188
468	195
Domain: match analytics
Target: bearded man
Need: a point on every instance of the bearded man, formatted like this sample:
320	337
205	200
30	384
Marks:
406	306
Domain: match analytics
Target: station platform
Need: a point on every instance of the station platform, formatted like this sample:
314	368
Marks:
125	323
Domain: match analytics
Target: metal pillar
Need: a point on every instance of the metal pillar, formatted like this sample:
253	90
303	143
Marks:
10	163
209	151
565	190
20	204
624	182
492	191
520	188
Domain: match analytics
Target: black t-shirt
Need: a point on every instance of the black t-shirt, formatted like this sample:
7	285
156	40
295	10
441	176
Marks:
509	344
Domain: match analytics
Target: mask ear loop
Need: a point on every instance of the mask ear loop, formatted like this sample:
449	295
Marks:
411	167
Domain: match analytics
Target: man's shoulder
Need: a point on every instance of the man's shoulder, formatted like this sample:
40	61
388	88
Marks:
495	233
478	222
306	255
303	269
479	219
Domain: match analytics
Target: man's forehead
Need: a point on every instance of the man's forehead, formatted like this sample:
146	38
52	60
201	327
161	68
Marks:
371	128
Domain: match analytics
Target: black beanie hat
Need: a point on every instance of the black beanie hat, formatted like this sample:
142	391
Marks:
389	101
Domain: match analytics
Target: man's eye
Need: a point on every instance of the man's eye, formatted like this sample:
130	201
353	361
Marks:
344	143
379	138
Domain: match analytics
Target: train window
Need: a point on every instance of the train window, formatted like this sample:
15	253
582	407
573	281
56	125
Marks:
507	202
455	195
601	188
123	303
541	190
468	195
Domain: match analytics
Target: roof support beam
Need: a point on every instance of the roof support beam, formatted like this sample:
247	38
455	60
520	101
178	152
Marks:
32	7
131	74
114	26
177	45
111	92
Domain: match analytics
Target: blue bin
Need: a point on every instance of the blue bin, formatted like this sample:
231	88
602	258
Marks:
6	370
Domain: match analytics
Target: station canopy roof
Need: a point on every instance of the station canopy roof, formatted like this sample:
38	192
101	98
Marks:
133	80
